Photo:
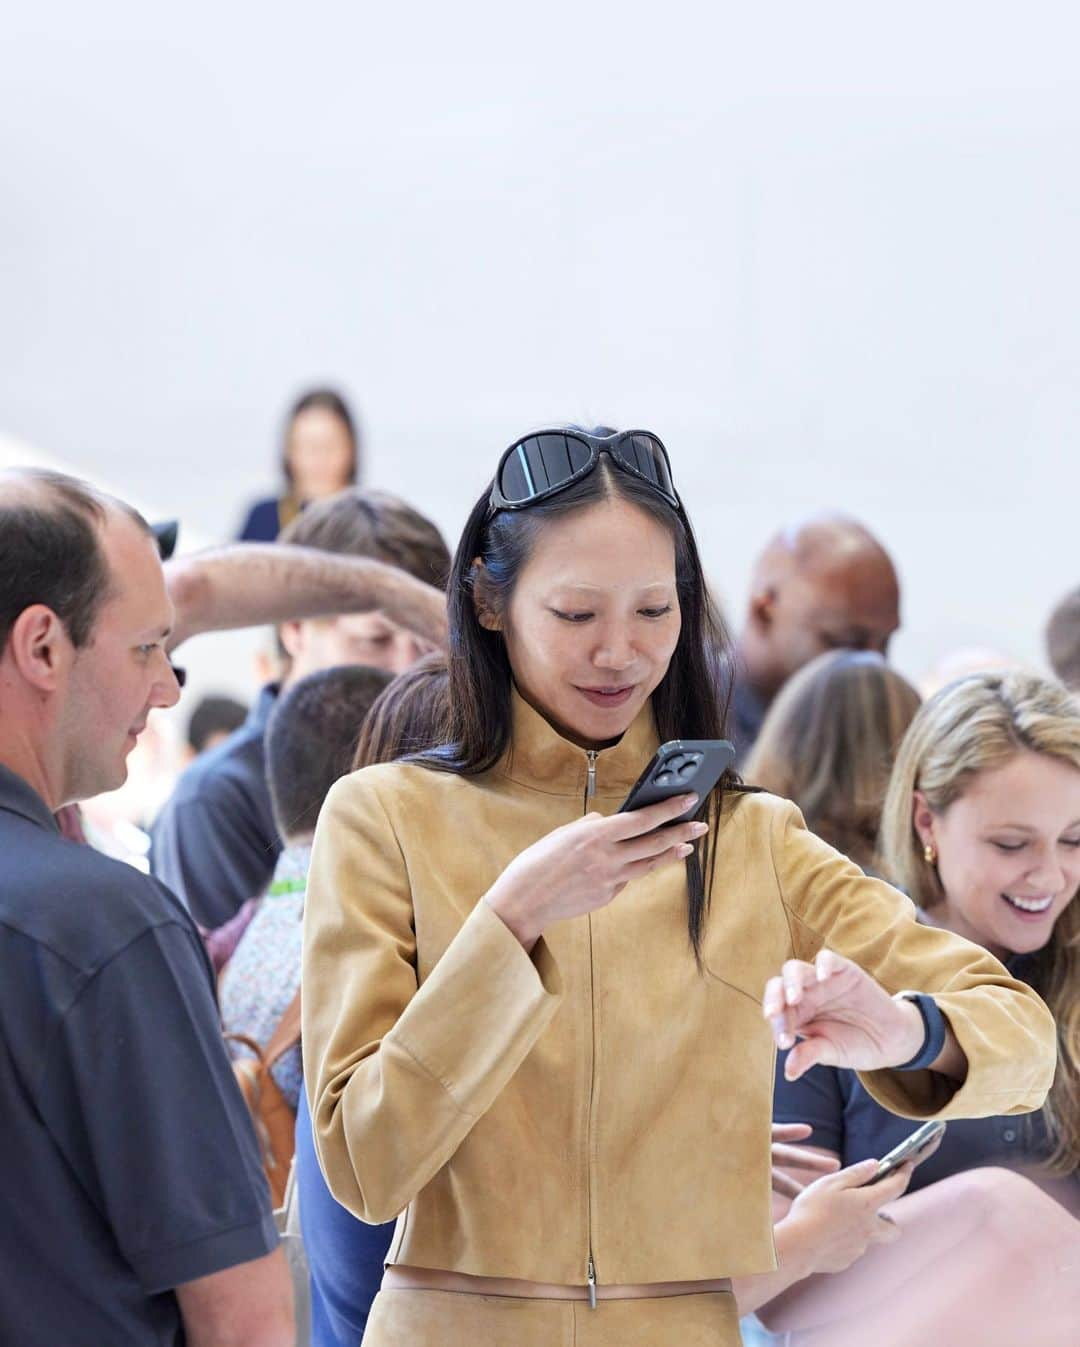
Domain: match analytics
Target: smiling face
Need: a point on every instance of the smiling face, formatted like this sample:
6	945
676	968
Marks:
1008	852
122	672
593	620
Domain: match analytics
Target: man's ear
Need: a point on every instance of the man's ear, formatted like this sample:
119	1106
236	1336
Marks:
40	647
763	607
482	598
290	634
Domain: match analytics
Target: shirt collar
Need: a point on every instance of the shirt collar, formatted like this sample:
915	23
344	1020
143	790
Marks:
291	870
259	714
540	757
18	797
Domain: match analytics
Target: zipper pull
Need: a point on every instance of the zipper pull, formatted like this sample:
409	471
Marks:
591	1277
590	783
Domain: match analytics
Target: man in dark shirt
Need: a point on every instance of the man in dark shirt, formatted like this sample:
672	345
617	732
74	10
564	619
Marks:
824	584
137	1212
214	842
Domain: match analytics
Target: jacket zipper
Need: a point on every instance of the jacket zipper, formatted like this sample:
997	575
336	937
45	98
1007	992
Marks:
590	1270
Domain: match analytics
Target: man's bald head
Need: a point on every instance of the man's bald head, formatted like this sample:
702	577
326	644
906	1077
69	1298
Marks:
823	584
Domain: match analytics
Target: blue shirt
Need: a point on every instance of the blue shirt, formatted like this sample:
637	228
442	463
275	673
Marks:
345	1256
128	1163
214	842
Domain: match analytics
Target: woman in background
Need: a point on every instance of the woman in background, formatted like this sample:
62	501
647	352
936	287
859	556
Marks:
981	827
321	457
828	745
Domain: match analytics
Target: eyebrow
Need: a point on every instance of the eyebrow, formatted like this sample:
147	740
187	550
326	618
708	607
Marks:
598	589
1025	828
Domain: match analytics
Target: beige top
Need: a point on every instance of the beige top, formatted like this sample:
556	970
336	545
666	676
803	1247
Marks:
599	1099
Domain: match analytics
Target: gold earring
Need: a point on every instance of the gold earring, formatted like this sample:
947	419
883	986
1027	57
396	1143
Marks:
929	854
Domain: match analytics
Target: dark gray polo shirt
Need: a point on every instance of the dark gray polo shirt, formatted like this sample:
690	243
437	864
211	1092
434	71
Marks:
214	843
128	1162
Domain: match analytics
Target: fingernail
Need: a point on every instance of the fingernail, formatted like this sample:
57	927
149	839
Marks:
698	829
786	1041
793	994
689	800
686	849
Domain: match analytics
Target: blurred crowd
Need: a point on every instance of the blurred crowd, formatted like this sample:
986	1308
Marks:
121	1080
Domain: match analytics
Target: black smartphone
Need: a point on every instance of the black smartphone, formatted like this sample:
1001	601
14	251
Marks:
913	1147
678	767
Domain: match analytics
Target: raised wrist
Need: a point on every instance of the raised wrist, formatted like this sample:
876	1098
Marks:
515	921
929	1031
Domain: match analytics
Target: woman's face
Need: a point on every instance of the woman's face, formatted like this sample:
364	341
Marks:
319	453
594	619
1008	852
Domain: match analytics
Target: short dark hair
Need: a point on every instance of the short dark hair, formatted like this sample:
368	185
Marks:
1063	639
214	715
360	523
51	552
329	400
310	739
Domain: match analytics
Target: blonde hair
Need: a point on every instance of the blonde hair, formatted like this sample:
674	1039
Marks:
974	726
828	743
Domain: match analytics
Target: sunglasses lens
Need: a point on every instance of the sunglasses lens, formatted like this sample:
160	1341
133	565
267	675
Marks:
645	453
539	463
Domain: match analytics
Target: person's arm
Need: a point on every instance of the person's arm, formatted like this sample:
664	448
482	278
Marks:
251	584
250	1305
397	1073
999	1050
831	1224
210	847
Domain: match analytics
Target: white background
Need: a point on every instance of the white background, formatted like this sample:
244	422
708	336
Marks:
829	252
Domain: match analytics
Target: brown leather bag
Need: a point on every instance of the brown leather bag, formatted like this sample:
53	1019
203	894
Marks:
275	1121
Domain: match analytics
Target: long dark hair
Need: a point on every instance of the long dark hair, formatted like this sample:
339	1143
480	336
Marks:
690	701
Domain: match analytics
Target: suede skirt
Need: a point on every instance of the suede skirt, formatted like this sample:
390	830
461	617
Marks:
428	1318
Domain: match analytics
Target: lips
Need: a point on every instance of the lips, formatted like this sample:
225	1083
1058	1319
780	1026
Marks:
608	696
1028	908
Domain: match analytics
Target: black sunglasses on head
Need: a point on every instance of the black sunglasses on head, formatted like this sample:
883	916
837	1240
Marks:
546	462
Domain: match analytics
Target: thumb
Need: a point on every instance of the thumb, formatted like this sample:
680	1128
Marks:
806	1053
854	1176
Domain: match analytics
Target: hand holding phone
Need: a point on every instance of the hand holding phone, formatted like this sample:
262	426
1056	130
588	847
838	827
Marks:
919	1146
679	766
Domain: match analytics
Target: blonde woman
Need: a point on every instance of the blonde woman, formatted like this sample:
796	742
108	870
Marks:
828	744
981	827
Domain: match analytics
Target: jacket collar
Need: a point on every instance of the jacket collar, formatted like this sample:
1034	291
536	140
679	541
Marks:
541	758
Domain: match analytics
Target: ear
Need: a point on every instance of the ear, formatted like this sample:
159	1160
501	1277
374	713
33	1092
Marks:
763	607
482	598
923	820
40	648
291	635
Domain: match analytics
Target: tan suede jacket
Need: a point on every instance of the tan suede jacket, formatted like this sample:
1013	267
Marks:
598	1106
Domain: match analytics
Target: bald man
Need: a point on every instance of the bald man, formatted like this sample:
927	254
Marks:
823	584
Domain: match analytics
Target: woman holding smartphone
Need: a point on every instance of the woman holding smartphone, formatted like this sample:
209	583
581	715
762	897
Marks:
981	825
534	1027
